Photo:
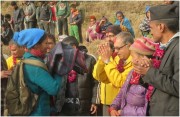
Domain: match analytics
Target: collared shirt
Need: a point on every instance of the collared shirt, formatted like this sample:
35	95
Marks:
163	46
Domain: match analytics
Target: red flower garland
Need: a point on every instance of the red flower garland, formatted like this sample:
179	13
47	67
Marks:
14	61
135	78
120	65
158	55
72	76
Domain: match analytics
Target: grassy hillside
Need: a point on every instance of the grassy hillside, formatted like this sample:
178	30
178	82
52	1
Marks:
133	10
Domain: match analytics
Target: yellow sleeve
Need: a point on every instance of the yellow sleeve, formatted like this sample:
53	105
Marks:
115	77
99	72
9	62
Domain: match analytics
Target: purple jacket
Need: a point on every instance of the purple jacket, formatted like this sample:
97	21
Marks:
131	99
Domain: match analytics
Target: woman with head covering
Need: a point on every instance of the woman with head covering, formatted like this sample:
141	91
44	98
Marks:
144	25
38	80
132	99
124	23
91	33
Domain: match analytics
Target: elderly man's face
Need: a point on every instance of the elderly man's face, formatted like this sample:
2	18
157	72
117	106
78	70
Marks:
121	49
155	31
16	51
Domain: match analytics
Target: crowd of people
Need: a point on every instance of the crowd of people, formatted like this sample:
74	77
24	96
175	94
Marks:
132	76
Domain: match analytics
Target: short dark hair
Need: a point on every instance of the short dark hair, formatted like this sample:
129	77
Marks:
7	16
172	24
120	12
71	40
52	37
83	48
73	6
13	3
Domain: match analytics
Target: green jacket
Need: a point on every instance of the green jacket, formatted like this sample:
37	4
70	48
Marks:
62	9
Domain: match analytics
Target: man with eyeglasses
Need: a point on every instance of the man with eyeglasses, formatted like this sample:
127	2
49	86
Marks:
106	70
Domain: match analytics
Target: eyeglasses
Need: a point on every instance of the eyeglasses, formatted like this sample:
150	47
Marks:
110	36
118	48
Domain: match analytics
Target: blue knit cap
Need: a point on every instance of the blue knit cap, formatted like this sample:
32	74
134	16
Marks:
147	9
28	37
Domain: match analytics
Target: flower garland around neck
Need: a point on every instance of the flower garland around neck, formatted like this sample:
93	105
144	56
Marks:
157	57
120	65
72	75
14	61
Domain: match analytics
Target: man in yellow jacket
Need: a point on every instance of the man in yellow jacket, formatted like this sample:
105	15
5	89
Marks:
112	72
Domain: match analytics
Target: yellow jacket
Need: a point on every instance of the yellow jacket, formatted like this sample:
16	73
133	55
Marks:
111	79
9	62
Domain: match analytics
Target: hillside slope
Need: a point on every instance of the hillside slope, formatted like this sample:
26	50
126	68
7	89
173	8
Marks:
133	10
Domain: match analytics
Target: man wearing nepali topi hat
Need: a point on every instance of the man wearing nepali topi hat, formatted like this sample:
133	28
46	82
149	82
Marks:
164	24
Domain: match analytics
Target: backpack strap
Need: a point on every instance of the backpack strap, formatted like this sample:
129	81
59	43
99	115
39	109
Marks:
35	63
31	62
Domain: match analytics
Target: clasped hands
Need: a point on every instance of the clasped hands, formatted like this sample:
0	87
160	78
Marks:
105	52
141	66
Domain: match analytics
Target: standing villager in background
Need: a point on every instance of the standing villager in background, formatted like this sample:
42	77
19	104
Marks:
30	15
62	13
74	20
53	22
9	19
45	15
6	34
18	17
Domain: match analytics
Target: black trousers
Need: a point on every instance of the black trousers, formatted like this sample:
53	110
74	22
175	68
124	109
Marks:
62	25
